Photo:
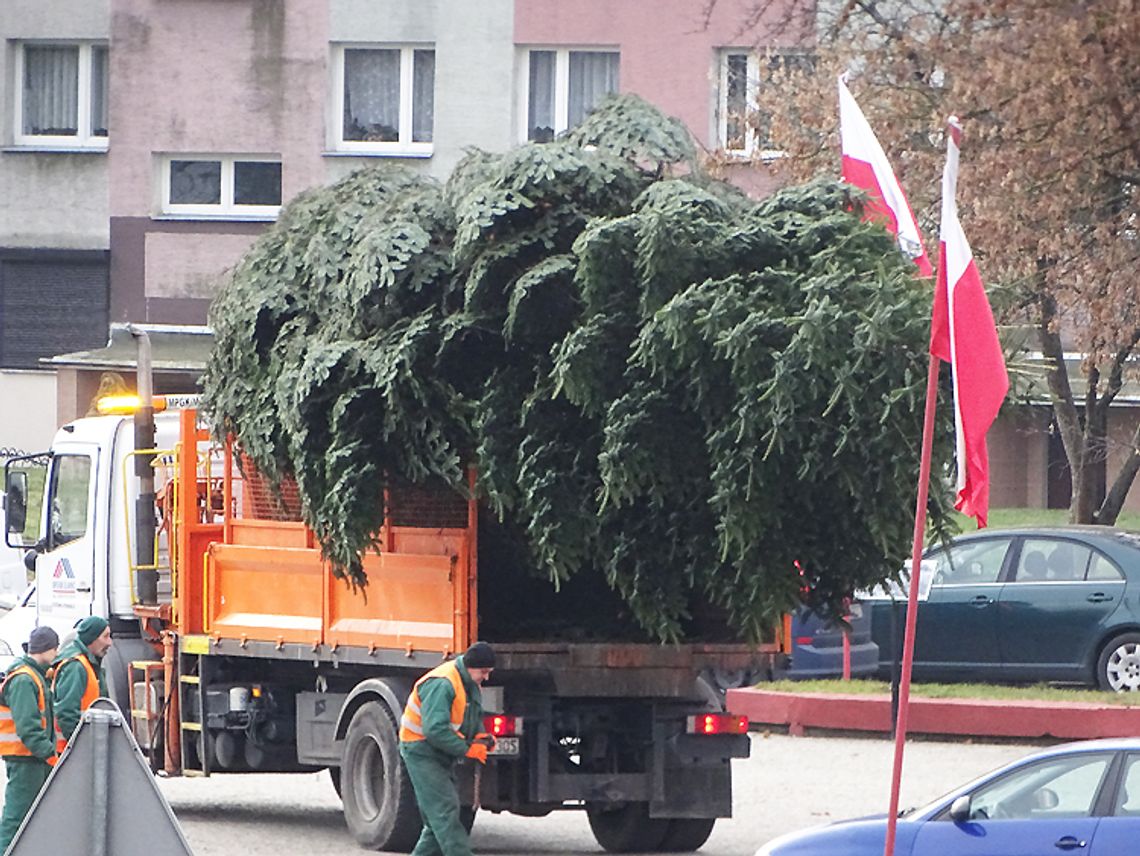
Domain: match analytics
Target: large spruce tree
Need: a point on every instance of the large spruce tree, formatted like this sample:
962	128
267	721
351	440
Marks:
700	398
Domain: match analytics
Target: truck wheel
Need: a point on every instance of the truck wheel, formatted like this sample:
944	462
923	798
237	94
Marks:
379	804
686	834
626	828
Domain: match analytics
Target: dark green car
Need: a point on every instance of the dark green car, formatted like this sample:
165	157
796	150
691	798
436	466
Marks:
1049	604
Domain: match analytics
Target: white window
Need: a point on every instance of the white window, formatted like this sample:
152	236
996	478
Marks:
739	83
744	129
384	100
61	95
562	86
225	187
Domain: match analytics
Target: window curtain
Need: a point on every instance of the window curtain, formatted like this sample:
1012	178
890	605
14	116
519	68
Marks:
98	91
540	97
592	77
423	96
736	102
372	95
51	90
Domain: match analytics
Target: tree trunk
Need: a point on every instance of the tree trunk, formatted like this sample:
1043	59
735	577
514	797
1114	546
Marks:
1064	408
1114	500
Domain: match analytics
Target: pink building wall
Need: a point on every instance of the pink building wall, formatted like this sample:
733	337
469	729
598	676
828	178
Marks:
243	77
668	54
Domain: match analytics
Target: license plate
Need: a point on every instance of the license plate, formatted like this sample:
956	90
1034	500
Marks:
506	746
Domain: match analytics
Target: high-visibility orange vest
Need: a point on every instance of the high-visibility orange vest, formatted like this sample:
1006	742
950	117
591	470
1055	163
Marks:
90	693
411	724
10	742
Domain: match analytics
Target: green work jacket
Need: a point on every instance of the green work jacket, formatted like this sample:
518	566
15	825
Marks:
440	740
70	683
20	696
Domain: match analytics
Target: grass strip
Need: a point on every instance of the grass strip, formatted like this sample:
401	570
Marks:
985	692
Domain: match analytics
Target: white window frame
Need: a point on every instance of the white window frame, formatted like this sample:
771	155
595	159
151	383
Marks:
83	139
405	146
751	91
225	209
561	83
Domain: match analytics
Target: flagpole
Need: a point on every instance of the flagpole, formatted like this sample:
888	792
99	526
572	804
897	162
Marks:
912	598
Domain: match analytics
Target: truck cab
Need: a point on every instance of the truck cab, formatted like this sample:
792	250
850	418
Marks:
69	510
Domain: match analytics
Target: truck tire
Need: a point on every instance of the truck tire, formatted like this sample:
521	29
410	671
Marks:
686	834
379	804
627	828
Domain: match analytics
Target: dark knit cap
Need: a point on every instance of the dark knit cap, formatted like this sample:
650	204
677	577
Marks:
479	656
42	639
90	628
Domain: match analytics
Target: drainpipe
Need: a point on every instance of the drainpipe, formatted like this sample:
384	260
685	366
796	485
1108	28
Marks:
146	522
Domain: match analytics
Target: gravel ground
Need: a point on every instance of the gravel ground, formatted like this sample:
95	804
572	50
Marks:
788	783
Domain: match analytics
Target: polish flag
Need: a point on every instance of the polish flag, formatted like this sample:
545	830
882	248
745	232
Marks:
865	165
962	333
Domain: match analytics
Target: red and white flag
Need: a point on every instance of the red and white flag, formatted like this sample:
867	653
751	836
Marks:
865	165
962	333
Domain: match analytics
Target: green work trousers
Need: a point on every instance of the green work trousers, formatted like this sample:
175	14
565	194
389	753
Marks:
25	779
433	780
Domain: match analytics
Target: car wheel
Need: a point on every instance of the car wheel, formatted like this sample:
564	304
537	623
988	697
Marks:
1118	667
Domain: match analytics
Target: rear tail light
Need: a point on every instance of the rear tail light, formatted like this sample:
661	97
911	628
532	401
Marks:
501	725
716	723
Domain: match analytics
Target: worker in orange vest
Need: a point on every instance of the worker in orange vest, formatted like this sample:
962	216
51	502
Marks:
442	723
26	729
79	677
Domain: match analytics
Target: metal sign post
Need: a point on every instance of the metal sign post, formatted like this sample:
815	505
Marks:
104	784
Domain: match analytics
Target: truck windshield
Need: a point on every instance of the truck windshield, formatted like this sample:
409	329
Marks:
70	481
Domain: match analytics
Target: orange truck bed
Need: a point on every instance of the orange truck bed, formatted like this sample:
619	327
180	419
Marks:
246	578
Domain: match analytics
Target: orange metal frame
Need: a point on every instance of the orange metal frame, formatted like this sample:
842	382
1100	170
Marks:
263	580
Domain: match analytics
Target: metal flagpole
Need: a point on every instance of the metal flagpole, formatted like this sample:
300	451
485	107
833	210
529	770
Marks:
912	599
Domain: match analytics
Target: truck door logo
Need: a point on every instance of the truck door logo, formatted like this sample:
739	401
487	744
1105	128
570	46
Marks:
63	578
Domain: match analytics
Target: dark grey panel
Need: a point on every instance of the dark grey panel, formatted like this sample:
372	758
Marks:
51	303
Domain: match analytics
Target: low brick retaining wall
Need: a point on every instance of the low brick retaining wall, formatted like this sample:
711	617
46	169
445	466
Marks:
964	717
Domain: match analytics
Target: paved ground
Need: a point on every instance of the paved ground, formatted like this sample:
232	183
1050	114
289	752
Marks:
789	783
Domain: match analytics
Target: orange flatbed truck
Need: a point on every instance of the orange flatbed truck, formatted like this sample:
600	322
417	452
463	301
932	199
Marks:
238	649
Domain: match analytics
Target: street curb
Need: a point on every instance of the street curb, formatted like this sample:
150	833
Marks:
967	717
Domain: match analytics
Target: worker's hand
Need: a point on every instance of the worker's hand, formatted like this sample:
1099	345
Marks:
478	752
486	739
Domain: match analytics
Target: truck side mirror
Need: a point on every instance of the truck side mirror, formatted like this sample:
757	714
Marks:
15	507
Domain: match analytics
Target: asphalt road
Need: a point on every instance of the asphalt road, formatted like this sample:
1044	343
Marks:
788	783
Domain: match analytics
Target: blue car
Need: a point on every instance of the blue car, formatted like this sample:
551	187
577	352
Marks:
1079	797
817	645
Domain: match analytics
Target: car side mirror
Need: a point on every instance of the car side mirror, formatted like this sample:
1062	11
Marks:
1045	799
960	809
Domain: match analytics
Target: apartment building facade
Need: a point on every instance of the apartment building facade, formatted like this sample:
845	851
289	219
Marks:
144	144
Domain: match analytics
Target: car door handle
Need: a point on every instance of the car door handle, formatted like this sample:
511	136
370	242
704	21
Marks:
1069	843
1099	597
981	600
